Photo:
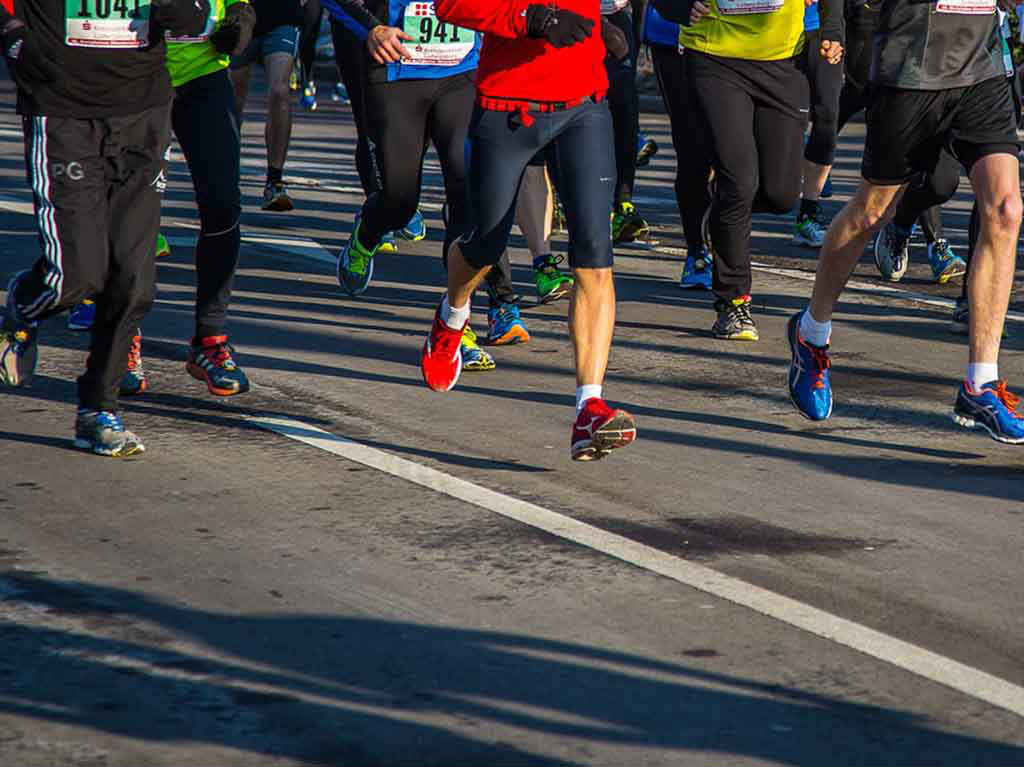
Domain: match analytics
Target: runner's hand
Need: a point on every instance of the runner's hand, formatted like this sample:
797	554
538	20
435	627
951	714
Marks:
615	41
559	27
385	44
28	64
182	18
234	33
698	12
831	51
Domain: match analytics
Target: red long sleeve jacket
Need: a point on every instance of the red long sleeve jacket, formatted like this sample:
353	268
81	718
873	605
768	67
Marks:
514	66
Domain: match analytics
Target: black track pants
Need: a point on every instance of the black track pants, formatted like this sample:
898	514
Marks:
350	56
624	103
690	140
96	187
826	83
206	125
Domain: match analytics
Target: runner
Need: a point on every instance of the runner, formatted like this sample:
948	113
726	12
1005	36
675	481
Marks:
540	82
745	63
929	94
691	142
308	37
617	30
412	94
275	45
826	81
94	96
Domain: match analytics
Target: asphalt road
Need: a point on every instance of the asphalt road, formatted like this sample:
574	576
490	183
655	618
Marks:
239	597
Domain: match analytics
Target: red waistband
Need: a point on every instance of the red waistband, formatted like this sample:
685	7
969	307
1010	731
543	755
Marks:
524	107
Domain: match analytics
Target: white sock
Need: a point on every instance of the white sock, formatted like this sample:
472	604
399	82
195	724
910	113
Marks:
454	317
980	373
814	332
585	392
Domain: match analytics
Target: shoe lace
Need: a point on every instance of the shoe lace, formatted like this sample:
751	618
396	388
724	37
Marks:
742	311
219	354
550	265
135	354
508	313
822	362
1009	399
106	419
941	249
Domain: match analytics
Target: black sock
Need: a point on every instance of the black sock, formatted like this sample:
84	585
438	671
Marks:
275	175
808	208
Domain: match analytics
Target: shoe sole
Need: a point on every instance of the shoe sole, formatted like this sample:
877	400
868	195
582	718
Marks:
200	375
803	242
554	295
77	326
632	234
143	388
387	247
84	444
745	335
279	205
412	237
790	335
945	277
514	336
969	423
618	432
476	367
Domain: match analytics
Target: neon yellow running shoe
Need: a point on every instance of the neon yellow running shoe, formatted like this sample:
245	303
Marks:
473	357
163	248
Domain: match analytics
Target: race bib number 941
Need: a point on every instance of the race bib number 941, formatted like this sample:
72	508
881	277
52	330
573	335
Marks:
107	23
435	43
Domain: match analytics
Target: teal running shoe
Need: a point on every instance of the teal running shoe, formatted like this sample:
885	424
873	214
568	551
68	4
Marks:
387	243
473	357
416	229
944	262
505	326
102	432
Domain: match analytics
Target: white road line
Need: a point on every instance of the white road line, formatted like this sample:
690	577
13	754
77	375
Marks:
910	657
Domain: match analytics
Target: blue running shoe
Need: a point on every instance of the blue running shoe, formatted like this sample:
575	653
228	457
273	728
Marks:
19	351
102	432
993	408
416	229
944	262
387	243
504	326
809	385
308	98
82	315
697	271
340	94
826	190
355	265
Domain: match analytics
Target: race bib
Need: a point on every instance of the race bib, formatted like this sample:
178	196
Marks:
745	7
967	7
434	43
106	23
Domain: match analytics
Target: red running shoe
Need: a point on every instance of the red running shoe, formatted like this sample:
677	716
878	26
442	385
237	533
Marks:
599	429
441	361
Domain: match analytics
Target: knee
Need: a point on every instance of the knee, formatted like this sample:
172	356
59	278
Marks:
1002	215
777	199
868	215
279	94
219	216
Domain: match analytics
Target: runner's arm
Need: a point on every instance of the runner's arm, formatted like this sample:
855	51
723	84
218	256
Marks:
833	21
501	18
677	11
354	15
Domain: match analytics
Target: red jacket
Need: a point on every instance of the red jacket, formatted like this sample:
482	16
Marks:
513	66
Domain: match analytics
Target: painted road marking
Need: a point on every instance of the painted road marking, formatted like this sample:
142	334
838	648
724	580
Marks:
971	681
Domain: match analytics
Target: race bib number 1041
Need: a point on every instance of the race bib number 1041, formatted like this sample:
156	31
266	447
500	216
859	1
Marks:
107	23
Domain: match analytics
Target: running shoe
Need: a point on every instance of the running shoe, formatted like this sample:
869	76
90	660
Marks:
355	265
808	232
387	243
944	262
646	149
275	198
473	357
308	98
211	363
992	407
505	326
416	229
628	225
552	283
441	359
735	322
102	432
19	350
163	248
809	386
599	429
293	78
826	189
892	252
134	380
697	271
82	316
340	94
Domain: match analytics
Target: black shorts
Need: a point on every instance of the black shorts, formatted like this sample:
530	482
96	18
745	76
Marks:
908	129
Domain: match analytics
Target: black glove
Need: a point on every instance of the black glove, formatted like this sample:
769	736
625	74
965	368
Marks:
614	39
234	33
28	63
182	18
559	27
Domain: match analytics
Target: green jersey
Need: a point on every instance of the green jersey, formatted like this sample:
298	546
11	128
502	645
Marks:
192	57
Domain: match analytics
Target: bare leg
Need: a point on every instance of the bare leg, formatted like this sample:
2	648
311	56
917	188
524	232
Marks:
240	79
463	279
535	210
814	180
279	108
592	322
997	189
845	241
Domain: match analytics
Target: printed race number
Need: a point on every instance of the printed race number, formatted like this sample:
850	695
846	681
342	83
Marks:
107	23
435	43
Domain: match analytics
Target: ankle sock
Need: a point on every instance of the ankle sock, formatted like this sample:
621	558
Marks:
813	332
452	316
980	373
585	392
